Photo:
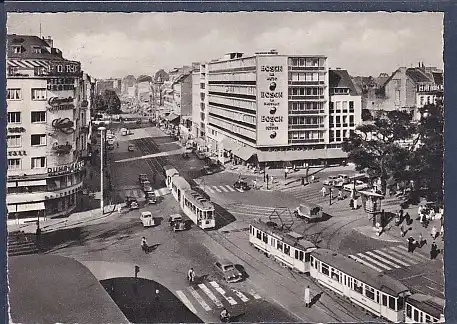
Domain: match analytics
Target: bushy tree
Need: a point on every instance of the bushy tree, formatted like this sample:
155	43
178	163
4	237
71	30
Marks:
108	102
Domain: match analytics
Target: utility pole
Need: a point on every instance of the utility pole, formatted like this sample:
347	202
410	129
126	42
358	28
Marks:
101	129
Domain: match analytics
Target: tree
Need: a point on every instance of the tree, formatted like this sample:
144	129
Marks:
108	102
366	115
375	147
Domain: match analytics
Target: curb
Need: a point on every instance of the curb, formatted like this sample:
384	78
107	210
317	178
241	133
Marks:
375	237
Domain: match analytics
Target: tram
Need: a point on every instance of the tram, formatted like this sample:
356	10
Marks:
198	209
424	309
289	249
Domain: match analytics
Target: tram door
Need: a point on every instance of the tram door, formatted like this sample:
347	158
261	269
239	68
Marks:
384	309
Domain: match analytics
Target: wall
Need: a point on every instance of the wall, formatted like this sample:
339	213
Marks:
196	119
186	96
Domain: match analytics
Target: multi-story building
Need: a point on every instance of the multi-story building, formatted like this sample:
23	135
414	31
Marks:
87	86
159	78
144	88
46	109
272	109
109	84
345	111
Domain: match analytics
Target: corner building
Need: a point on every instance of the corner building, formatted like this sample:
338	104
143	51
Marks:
46	131
270	109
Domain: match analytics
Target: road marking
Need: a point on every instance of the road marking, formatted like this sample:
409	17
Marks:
374	261
208	189
229	188
382	259
186	301
223	189
410	255
399	254
199	298
256	296
216	188
392	258
211	295
239	190
240	295
417	254
365	263
222	292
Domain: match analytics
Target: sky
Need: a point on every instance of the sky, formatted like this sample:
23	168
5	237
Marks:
119	44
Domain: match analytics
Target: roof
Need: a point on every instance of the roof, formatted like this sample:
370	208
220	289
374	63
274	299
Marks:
180	182
341	79
28	42
438	78
171	117
433	306
198	199
417	75
361	272
171	172
289	238
168	167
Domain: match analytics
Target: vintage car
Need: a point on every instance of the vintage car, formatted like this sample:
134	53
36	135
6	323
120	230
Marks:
230	273
147	219
142	177
241	184
309	212
132	203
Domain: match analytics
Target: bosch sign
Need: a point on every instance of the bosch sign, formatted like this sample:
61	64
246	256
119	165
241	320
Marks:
269	68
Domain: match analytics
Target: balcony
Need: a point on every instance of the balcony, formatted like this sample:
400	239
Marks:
62	149
306	126
295	97
306	112
306	82
306	141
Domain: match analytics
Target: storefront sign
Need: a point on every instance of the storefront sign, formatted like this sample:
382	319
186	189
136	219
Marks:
16	129
272	98
429	87
17	153
64	169
64	68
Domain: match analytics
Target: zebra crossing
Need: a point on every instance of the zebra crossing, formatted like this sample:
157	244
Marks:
220	188
212	296
391	258
138	193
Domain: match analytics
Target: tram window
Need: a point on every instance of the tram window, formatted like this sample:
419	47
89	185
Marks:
250	229
306	255
259	234
384	300
335	275
358	287
325	269
317	265
273	242
312	261
408	311
350	282
265	237
377	297
427	318
369	292
391	302
296	254
286	249
421	317
416	315
279	246
400	303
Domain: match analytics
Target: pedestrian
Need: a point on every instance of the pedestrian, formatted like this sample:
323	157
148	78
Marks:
144	244
421	240
313	179
407	218
119	208
117	144
410	244
351	204
355	204
433	232
433	251
307	297
285	174
191	275
324	191
402	231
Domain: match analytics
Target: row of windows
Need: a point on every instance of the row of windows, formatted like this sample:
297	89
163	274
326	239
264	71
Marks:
338	105
249	105
36	117
337	91
335	136
301	120
235	116
306	91
338	120
309	105
306	76
232	64
357	286
222	129
35	140
52	184
36	163
236	129
241	76
278	244
309	62
306	135
418	316
247	90
16	94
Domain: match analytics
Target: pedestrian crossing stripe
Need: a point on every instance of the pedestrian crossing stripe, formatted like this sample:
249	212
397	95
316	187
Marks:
138	193
399	255
216	189
240	295
186	301
222	292
199	298
416	254
211	296
409	255
373	261
382	259
221	188
365	263
388	256
255	295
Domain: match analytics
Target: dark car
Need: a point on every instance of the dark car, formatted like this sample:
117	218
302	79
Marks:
231	274
131	202
151	197
241	184
142	178
147	186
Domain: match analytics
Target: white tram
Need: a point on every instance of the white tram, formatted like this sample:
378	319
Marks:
424	309
169	173
377	293
289	249
197	208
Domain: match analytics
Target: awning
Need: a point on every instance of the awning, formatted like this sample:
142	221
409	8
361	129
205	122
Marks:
228	145
30	206
200	141
32	183
244	152
323	154
171	117
11	208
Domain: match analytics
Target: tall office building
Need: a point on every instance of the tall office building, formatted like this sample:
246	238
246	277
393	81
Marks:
47	113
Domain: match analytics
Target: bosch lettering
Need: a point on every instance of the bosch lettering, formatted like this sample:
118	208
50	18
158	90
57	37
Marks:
271	68
271	119
270	94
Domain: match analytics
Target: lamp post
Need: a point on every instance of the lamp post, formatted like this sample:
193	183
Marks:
101	129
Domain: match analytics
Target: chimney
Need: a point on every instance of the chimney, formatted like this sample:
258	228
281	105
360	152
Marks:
49	41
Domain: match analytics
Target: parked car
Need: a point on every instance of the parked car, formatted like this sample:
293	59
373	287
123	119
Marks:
142	178
309	212
177	223
130	132
151	197
131	203
341	180
241	184
131	148
147	186
147	219
124	131
359	185
227	268
331	180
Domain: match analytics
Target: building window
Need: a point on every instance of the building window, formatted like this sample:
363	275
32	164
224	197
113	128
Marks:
351	106
14	164
14	94
13	141
39	94
38	116
38	162
37	50
14	117
38	140
17	49
332	109
351	120
338	106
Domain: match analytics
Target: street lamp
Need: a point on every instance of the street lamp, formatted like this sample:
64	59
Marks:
101	129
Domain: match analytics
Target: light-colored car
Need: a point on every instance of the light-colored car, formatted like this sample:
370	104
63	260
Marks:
231	274
131	148
147	186
124	131
331	180
341	180
359	185
147	219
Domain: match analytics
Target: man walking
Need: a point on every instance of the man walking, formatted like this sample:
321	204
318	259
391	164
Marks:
324	191
191	275
307	297
433	232
433	251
